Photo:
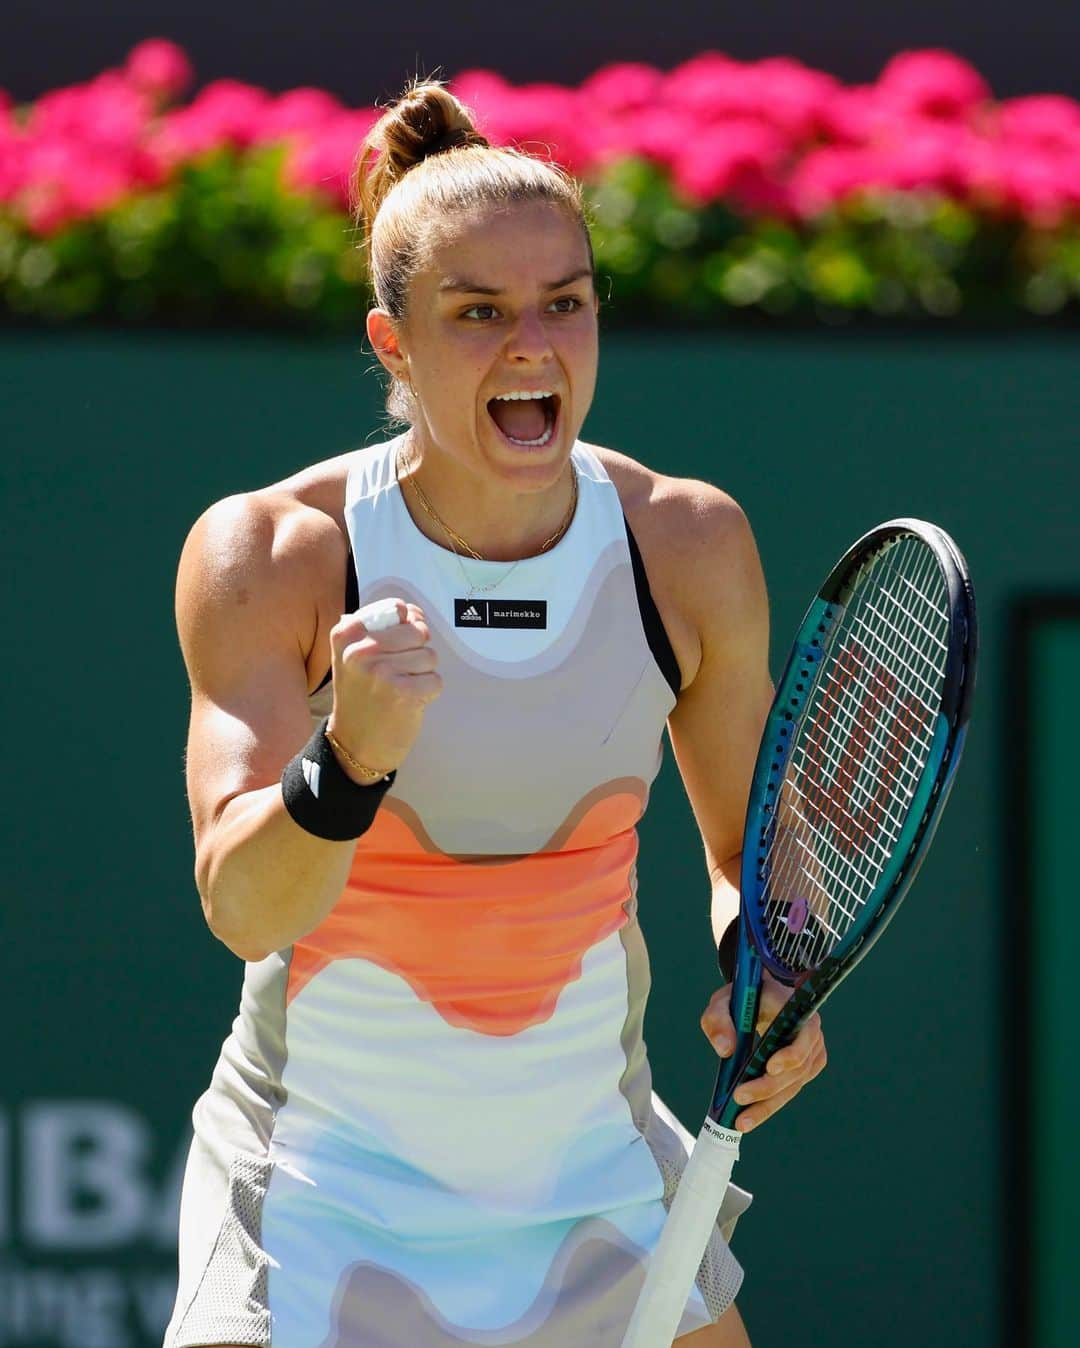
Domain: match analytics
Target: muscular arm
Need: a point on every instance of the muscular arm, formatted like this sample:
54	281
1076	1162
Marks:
712	597
248	615
716	727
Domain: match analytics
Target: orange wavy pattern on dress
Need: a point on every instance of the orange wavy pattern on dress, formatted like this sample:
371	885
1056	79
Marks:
491	947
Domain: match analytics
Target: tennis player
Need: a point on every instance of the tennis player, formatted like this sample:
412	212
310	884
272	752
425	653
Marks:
433	1122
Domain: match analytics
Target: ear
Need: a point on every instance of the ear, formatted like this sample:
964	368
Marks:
383	335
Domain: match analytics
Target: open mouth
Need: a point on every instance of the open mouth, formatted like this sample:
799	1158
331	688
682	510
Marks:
527	420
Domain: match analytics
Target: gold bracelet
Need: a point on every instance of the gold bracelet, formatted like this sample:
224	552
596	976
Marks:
372	774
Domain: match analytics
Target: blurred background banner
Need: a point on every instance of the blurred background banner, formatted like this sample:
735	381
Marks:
852	296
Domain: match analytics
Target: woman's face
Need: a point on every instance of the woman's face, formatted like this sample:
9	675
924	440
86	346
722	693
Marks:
505	305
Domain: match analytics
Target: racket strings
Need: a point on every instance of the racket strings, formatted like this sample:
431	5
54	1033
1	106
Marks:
840	715
839	821
860	747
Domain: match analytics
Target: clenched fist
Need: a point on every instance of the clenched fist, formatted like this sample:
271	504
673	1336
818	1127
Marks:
384	676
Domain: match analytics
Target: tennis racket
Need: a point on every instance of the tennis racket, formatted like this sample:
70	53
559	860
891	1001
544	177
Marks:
856	762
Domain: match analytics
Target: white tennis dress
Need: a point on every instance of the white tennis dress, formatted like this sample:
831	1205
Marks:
432	1124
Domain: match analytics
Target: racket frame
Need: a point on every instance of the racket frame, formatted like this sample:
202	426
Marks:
795	688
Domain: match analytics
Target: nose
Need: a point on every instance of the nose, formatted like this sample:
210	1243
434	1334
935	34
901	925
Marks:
529	342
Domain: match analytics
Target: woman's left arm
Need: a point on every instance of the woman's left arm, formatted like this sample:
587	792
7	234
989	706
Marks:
718	588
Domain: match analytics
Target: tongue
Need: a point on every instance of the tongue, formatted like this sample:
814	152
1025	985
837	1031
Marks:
521	420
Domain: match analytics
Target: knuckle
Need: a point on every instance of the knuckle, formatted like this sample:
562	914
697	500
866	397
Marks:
344	630
357	653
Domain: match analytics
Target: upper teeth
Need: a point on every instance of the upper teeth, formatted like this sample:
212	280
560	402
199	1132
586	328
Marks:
510	397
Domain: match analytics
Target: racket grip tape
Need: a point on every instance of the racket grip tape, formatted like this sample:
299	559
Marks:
691	1221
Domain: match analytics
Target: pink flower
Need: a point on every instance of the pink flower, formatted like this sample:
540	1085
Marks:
298	110
484	93
854	115
1041	185
781	91
226	113
13	154
108	111
542	119
61	181
600	138
47	213
99	183
1048	120
739	160
828	176
159	68
932	84
790	95
6	105
928	155
704	85
624	87
661	134
323	159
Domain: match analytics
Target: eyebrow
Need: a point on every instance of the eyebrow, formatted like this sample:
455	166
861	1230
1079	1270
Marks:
462	285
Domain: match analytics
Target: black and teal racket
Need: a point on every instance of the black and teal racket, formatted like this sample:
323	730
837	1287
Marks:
856	762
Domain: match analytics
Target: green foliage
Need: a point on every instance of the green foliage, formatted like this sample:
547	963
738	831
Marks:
228	240
896	256
223	241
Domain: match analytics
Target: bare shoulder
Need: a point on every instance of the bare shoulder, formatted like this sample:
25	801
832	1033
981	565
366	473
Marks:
264	567
699	553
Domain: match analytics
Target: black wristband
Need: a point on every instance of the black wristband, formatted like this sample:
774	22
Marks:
725	951
322	799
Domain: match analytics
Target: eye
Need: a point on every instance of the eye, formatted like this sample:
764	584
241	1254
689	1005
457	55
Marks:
481	313
565	304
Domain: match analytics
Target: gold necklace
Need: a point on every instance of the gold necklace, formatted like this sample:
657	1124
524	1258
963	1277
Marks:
456	540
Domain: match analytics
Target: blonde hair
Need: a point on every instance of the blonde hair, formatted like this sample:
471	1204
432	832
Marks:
422	164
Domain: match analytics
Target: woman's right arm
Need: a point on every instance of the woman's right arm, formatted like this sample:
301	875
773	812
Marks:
258	612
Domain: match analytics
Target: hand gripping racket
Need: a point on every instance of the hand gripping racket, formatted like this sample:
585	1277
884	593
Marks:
855	765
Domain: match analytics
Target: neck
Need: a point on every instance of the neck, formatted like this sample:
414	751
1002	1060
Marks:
465	512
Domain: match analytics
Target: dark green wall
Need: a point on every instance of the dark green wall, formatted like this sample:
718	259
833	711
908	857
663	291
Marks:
1051	1094
878	1214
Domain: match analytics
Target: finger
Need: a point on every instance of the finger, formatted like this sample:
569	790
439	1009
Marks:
794	1055
773	997
716	1022
422	687
766	1087
765	1108
379	619
351	633
382	614
388	665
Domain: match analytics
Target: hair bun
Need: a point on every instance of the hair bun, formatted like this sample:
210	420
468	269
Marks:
427	120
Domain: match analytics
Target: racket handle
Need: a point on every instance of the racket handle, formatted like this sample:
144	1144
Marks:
743	1007
691	1221
780	1033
